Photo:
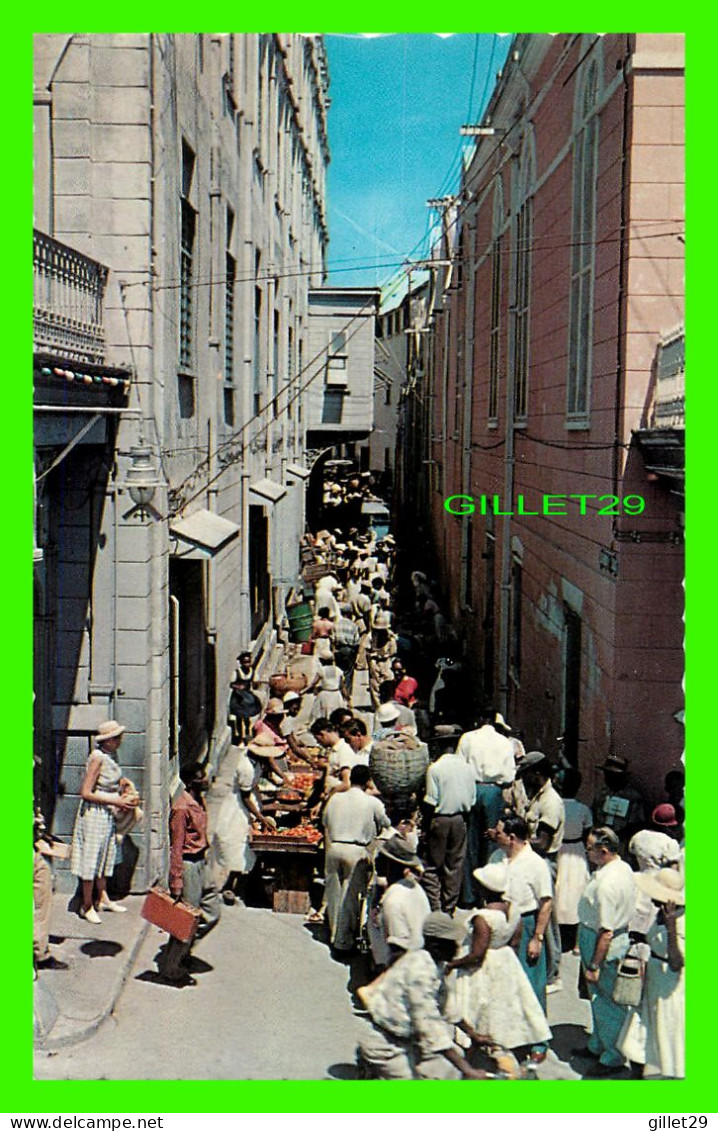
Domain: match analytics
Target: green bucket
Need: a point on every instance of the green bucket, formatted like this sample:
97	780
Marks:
300	619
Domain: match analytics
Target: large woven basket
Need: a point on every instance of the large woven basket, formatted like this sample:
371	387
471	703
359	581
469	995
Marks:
283	682
398	764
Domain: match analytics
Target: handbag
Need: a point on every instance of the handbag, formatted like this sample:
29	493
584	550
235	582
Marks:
177	918
628	987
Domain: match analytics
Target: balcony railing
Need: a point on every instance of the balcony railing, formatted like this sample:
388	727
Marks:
67	303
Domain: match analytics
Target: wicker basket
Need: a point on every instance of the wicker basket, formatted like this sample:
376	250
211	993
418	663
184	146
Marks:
283	682
398	764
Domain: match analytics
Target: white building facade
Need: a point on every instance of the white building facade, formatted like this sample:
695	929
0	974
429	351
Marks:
182	179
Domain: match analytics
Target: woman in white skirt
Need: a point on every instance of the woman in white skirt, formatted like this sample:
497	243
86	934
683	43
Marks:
330	692
572	863
231	834
655	1034
490	989
94	842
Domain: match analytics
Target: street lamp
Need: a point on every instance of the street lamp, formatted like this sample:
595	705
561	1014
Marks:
141	480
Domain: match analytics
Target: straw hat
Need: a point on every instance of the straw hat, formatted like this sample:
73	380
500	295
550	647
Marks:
495	877
262	744
382	620
387	713
274	707
290	697
110	729
400	851
439	925
665	886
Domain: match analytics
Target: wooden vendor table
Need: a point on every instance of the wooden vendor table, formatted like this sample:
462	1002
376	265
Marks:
293	861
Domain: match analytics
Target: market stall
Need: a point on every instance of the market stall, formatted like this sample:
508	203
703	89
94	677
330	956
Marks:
290	853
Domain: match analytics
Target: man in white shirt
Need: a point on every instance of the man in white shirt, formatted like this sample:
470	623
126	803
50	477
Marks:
355	734
404	907
604	912
545	816
340	756
491	757
351	819
530	890
410	1037
448	800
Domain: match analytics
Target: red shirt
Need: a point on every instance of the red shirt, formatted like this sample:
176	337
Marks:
405	691
188	835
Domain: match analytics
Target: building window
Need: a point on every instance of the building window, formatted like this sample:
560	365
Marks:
516	594
387	392
257	355
496	297
229	340
495	331
337	360
524	229
333	406
259	579
275	362
188	225
585	171
230	102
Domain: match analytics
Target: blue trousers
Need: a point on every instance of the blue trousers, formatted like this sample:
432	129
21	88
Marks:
536	972
487	812
607	1017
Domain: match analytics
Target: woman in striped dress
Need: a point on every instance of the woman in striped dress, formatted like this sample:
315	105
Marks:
94	844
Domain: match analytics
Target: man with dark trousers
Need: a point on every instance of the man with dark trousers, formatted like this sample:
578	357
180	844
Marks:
188	881
448	800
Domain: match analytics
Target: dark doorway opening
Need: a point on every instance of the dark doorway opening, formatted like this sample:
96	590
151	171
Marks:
189	670
572	685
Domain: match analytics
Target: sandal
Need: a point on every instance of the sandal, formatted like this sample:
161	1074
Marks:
315	917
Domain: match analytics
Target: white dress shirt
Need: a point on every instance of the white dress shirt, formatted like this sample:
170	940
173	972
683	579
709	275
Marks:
546	807
529	880
450	785
404	908
490	755
354	817
609	898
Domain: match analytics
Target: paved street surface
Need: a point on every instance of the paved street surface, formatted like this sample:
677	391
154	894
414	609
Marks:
270	1002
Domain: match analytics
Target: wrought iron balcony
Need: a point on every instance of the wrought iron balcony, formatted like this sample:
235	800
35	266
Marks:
68	302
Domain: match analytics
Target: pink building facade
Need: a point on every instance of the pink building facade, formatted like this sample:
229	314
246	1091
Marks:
565	284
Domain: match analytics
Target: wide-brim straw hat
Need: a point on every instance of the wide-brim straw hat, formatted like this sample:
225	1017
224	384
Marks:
387	713
400	851
495	877
274	707
439	925
262	745
109	729
665	886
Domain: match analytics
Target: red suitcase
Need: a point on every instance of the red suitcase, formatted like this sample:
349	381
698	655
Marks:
171	915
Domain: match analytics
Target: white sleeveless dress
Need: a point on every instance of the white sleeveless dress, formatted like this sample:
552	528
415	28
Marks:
497	998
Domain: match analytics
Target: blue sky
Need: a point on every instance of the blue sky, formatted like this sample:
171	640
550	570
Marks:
397	104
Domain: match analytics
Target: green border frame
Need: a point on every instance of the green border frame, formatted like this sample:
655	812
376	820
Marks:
21	1093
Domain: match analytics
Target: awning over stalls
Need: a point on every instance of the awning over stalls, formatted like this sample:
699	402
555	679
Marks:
298	471
203	531
267	490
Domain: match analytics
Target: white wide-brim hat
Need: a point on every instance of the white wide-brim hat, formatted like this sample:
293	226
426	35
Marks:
109	729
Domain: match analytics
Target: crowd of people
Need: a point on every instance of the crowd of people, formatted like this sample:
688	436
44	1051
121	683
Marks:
463	865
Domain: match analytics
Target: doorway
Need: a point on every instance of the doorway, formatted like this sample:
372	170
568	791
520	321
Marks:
571	685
